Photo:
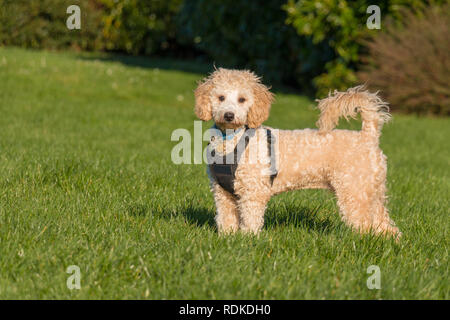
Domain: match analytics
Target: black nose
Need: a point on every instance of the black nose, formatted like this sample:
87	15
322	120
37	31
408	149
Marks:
228	116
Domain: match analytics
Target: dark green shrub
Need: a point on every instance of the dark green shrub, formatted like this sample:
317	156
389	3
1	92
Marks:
250	34
410	63
42	24
141	26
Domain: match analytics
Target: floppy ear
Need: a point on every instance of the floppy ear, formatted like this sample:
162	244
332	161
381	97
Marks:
203	100
259	111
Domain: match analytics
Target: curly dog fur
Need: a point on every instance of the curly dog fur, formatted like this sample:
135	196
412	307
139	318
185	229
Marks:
349	163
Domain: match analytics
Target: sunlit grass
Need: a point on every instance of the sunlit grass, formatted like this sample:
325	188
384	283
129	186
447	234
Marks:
86	179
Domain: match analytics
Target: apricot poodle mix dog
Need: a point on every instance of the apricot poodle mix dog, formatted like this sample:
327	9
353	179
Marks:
350	163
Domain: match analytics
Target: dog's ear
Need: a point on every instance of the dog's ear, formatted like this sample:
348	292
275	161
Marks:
259	111
203	100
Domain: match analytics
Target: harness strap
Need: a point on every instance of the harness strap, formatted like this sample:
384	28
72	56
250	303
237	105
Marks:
224	173
273	165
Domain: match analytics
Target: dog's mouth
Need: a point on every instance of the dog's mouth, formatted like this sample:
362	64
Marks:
224	124
228	120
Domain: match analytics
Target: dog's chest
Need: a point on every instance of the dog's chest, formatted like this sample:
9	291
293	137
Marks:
252	148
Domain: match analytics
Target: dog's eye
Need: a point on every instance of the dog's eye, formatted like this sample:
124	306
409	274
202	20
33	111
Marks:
241	100
221	98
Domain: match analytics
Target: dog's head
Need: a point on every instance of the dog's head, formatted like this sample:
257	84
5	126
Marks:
233	98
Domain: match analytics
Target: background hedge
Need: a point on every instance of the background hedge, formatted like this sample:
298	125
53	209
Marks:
141	27
250	34
41	24
314	46
410	62
340	25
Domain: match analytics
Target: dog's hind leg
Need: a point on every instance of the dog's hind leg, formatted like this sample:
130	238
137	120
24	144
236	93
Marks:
381	222
227	216
361	204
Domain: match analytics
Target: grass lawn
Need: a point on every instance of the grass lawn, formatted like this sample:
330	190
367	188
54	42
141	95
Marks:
86	179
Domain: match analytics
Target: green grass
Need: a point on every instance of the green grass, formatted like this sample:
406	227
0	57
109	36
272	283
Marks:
86	179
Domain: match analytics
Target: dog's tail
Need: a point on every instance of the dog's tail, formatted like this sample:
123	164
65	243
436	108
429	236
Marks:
374	111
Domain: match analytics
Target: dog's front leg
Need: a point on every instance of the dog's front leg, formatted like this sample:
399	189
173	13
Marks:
227	217
252	206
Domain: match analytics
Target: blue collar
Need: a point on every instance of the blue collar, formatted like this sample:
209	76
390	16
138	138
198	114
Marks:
224	135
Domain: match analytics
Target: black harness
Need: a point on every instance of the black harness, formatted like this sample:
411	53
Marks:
224	173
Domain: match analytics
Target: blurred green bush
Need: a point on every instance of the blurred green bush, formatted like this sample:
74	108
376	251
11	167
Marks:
42	24
251	34
131	26
141	26
315	46
341	26
304	43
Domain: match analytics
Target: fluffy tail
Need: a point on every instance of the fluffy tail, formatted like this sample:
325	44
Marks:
374	111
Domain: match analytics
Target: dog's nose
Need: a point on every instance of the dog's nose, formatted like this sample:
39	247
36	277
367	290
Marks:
228	116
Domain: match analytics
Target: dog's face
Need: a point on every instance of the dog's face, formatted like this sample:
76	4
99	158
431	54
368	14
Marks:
230	105
233	98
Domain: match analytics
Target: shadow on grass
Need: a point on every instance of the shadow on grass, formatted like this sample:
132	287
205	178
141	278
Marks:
138	210
151	62
298	217
195	216
200	216
191	66
301	218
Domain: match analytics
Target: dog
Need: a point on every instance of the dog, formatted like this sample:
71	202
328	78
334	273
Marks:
349	163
